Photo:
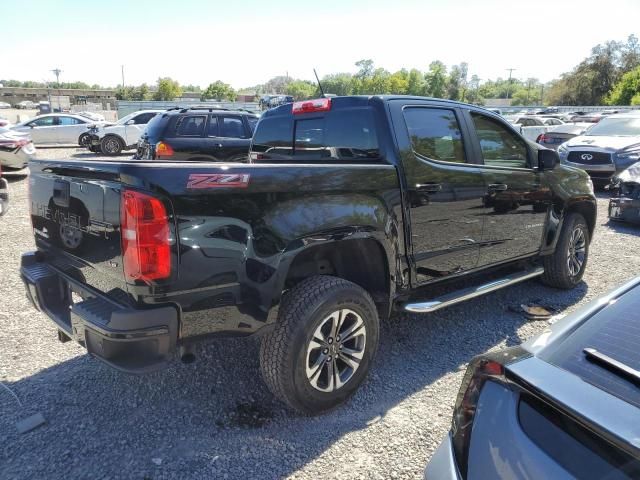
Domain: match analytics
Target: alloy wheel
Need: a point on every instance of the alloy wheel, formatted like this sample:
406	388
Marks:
577	251
335	350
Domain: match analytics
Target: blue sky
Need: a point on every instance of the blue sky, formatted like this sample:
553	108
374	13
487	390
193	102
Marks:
247	42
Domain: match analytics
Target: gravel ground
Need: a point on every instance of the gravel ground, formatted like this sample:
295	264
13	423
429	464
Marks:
216	419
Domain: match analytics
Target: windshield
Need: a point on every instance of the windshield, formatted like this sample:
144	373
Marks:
616	127
124	120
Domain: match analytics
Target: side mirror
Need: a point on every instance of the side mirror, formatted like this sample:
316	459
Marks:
547	159
130	122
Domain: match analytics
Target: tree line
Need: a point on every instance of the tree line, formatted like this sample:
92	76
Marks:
609	75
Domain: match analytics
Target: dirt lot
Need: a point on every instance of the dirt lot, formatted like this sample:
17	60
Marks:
216	419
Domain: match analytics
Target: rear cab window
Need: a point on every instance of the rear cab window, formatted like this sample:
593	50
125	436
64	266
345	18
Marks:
345	133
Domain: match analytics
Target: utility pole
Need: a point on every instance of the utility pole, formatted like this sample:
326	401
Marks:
509	85
57	72
542	94
122	66
528	88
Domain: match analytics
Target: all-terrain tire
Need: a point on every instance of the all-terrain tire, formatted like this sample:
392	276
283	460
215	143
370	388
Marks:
557	268
284	352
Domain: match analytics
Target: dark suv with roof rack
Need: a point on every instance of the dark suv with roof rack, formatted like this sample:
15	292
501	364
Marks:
205	134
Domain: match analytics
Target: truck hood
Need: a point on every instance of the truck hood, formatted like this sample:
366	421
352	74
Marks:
611	143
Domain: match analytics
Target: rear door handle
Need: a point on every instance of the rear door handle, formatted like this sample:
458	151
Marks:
498	187
429	187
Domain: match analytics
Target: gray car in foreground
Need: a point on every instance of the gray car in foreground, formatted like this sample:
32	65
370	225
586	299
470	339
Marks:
564	405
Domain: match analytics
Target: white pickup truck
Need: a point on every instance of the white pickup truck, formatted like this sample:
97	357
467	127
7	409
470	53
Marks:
531	126
111	139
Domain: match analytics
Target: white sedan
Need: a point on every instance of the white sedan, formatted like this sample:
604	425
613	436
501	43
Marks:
57	129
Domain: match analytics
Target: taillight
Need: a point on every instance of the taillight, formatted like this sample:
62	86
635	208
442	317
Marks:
256	156
145	237
163	150
317	105
481	369
541	138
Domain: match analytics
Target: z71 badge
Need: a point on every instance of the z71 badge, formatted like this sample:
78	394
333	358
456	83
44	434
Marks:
217	180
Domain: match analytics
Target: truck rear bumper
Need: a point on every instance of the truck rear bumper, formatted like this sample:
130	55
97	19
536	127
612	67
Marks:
129	339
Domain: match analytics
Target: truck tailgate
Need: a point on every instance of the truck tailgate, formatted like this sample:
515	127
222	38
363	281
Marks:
75	213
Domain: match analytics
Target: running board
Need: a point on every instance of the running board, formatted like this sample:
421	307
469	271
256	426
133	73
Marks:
469	293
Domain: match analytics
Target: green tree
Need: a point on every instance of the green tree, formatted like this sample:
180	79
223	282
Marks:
301	89
415	82
436	80
626	89
141	93
277	84
167	89
219	90
338	84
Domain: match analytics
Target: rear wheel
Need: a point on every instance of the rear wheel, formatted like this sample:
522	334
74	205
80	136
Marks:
565	268
111	145
322	346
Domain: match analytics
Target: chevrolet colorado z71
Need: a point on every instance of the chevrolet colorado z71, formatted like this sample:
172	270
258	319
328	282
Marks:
351	208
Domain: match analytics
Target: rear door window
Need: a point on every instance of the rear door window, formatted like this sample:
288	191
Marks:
232	127
212	128
67	121
435	133
190	125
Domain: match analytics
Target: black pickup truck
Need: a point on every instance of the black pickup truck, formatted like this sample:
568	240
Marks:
350	209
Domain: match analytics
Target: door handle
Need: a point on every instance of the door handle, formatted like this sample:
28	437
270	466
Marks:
217	145
429	187
498	187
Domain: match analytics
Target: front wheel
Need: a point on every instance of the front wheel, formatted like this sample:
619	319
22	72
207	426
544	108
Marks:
565	268
111	145
322	345
84	140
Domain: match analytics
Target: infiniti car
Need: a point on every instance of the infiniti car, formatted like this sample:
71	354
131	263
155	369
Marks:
606	148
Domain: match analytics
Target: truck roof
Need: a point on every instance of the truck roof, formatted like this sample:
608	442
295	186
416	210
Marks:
283	109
